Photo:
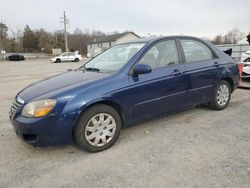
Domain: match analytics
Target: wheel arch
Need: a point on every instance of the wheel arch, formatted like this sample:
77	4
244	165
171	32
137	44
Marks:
230	81
110	103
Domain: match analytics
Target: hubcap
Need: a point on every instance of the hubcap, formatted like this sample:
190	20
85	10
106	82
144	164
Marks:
222	95
100	129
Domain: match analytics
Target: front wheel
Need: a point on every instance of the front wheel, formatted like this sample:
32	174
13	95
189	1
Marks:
76	60
98	128
221	96
58	60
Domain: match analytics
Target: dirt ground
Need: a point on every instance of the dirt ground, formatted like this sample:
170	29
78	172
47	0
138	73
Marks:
193	148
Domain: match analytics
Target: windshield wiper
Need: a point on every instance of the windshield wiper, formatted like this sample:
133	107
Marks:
92	69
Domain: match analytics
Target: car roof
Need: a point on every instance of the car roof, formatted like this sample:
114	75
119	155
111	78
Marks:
154	38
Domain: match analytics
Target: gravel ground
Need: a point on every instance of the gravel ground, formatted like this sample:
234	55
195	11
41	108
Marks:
193	148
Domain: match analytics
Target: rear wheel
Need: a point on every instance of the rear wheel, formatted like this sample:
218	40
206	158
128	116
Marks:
98	128
76	60
221	96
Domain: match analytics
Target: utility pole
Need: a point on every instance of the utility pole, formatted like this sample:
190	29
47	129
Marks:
65	21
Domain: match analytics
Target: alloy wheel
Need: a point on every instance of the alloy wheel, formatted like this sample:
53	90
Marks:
100	129
222	95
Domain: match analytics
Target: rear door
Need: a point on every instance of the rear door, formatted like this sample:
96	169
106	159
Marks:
201	70
161	90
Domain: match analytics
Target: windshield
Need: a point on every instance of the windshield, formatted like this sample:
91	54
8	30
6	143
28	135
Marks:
63	54
114	58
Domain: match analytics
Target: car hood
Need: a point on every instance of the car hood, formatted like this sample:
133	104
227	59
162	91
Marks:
61	82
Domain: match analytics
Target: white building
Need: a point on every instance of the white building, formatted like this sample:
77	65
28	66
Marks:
105	42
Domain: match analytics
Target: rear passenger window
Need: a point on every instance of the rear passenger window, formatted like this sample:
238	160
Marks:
196	51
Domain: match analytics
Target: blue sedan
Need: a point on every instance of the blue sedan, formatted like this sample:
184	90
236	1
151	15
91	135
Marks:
124	85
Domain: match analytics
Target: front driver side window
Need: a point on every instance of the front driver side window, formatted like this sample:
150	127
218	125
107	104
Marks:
161	55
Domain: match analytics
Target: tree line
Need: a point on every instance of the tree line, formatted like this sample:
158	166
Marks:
233	36
40	40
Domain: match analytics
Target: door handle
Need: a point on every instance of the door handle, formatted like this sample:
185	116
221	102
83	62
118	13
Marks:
176	72
216	64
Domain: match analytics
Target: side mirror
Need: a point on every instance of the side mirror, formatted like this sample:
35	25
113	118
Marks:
142	69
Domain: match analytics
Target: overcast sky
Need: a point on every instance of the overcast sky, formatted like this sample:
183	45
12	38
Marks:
202	18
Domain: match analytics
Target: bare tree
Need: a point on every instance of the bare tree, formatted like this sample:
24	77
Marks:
235	35
45	40
217	39
16	39
80	39
232	37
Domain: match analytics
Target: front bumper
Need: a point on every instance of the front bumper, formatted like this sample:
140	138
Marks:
244	75
50	130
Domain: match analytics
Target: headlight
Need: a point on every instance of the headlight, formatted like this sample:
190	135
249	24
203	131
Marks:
38	108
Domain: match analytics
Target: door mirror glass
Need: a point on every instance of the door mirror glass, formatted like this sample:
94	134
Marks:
142	69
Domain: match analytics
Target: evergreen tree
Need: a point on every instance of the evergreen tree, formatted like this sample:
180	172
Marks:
3	31
30	42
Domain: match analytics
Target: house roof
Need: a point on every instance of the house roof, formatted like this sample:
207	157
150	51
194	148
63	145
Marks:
111	38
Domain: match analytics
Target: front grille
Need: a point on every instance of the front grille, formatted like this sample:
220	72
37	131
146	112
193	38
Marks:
15	106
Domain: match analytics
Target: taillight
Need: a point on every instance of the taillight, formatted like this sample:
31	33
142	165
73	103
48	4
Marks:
240	67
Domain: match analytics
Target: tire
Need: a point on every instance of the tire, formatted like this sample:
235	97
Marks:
221	96
92	130
76	60
58	60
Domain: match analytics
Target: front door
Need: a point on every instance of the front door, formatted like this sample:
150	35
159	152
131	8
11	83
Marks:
161	90
71	56
64	57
